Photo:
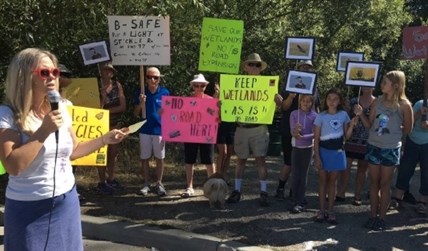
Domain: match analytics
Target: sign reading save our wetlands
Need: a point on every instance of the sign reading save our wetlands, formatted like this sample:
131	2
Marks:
248	99
189	119
89	123
221	42
139	40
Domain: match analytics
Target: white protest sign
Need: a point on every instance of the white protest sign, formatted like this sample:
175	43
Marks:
139	40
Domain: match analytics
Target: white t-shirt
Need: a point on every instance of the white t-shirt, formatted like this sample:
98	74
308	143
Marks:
37	181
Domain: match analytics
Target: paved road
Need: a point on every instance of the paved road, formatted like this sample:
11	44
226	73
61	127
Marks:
97	245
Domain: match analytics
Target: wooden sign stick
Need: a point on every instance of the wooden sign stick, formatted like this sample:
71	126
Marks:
142	77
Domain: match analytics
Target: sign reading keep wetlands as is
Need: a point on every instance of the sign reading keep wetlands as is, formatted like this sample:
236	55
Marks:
247	98
139	40
221	42
415	43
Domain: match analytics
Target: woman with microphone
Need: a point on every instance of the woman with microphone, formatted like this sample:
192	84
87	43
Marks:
42	210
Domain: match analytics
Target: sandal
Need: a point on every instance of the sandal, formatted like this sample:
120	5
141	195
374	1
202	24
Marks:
332	219
421	208
187	193
319	217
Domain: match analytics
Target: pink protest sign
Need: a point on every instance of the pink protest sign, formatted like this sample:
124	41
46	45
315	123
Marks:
415	42
189	119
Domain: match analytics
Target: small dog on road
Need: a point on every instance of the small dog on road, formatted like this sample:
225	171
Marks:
215	189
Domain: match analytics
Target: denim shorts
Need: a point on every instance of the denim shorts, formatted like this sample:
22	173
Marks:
383	156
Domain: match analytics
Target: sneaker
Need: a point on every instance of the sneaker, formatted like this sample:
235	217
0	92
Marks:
263	199
370	223
115	184
379	225
234	197
144	191
161	190
297	209
280	194
394	204
409	198
187	193
104	188
421	208
357	202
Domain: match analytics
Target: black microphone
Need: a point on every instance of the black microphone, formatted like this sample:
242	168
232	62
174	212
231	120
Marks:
54	98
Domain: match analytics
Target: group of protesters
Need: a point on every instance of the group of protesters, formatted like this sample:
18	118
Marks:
329	136
42	187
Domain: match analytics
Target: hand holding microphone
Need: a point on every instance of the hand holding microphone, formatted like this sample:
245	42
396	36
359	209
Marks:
55	116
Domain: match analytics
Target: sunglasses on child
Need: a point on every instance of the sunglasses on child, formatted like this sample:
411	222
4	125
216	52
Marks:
258	65
45	73
152	77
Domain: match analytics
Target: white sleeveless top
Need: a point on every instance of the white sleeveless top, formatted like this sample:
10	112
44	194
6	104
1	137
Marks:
37	181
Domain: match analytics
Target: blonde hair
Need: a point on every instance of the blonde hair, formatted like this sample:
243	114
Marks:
398	80
19	83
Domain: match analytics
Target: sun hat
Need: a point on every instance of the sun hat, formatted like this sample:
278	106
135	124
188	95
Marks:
304	62
255	58
109	65
199	79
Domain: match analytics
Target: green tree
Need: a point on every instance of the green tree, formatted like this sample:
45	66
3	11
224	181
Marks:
369	26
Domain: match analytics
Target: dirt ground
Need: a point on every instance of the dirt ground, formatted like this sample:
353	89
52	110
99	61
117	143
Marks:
272	227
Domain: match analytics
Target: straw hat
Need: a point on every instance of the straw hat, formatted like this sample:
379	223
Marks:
199	79
255	58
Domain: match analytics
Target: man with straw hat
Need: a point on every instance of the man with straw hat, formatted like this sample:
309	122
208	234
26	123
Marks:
251	137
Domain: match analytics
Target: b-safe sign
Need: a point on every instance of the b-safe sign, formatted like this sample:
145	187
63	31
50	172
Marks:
139	40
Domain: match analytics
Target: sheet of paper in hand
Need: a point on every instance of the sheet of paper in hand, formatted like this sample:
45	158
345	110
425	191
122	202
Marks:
135	127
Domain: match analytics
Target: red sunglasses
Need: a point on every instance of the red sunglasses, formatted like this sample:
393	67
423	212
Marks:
45	73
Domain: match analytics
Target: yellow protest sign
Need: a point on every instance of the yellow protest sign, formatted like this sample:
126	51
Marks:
248	99
89	123
83	92
221	42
